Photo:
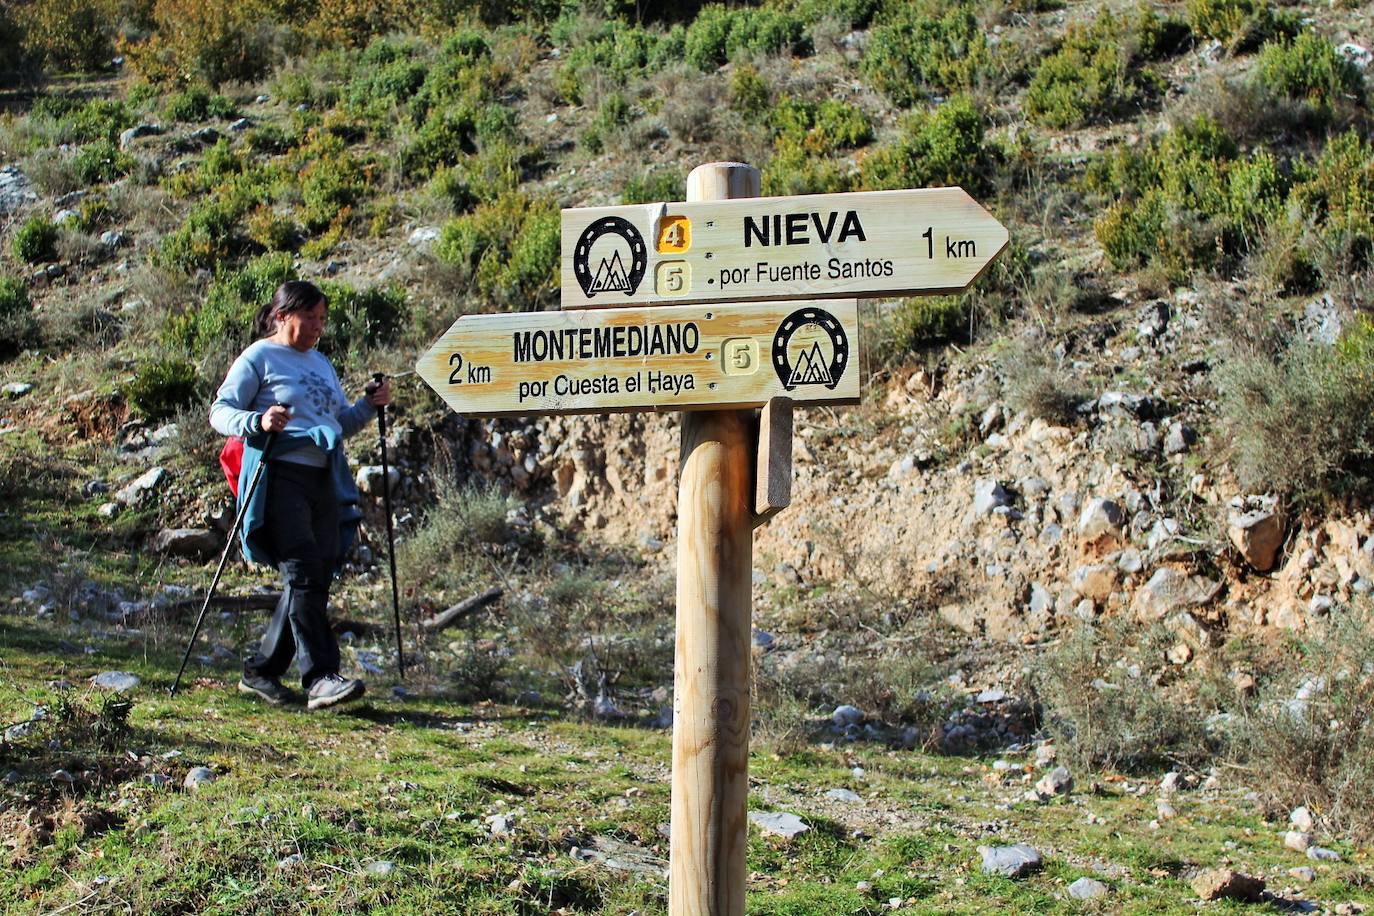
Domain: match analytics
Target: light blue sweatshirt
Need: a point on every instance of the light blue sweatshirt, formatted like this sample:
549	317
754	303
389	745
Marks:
269	373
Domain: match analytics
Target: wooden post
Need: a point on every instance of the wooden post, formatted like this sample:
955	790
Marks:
715	549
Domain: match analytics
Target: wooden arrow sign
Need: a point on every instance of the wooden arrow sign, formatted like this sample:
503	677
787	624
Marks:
665	358
878	243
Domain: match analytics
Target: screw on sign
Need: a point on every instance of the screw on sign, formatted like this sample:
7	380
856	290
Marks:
707	320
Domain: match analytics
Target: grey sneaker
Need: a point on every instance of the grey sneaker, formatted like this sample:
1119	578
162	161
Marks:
331	690
266	688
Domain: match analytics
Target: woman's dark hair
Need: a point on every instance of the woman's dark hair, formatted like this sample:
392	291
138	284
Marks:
291	296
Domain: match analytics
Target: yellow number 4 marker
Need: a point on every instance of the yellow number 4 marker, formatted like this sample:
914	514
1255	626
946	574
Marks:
674	234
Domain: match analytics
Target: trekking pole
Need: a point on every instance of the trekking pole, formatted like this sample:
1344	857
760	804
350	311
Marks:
377	380
224	557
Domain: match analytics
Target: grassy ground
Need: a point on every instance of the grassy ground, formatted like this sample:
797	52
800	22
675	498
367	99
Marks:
413	781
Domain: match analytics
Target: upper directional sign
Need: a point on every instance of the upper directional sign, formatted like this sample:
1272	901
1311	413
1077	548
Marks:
662	358
878	243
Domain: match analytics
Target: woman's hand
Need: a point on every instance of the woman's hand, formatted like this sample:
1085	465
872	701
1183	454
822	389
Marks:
379	396
275	419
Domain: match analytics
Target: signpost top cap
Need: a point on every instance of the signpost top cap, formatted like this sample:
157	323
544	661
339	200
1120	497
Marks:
723	180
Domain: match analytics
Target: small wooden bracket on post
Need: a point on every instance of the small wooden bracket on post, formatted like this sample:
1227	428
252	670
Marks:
773	466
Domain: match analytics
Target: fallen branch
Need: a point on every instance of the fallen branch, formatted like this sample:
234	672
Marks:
461	610
264	601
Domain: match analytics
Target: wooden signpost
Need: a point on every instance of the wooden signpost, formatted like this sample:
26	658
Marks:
695	306
666	358
876	243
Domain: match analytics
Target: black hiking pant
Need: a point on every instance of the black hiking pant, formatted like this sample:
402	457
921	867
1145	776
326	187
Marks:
303	529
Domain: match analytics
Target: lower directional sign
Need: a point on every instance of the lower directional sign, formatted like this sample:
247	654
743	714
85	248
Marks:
668	357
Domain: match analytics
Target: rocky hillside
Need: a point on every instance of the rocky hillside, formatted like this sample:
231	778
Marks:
1115	495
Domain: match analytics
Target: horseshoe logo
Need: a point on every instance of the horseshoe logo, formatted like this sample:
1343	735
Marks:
800	348
622	243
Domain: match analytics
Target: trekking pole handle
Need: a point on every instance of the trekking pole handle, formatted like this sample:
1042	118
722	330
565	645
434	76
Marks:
378	379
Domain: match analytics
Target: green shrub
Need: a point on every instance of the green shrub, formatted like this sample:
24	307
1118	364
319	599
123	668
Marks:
1310	738
16	315
719	34
1158	37
79	121
1337	194
661	183
853	14
508	250
161	387
938	148
272	231
793	169
268	140
67	36
209	235
920	321
1310	69
100	162
821	127
387	80
444	139
35	241
928	48
750	94
611	117
224	323
1301	421
1186	201
209	42
331	182
1111	700
14	297
1240	24
361	319
620	56
1091	76
195	104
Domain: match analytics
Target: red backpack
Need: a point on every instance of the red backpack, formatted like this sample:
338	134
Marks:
231	459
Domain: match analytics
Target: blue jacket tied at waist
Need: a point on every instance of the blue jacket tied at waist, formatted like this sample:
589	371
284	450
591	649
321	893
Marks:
256	545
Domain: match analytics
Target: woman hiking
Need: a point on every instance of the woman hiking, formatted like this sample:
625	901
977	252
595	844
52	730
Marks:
284	398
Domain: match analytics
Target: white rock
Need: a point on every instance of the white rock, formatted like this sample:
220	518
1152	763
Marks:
1301	818
1358	55
1170	590
199	776
844	795
1087	889
1058	781
143	487
988	495
1322	854
1297	841
369	479
379	869
16	389
118	681
1257	536
1014	861
778	823
423	235
19	731
291	861
1100	518
1304	873
846	715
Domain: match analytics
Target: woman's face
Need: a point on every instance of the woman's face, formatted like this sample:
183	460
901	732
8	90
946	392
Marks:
301	330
